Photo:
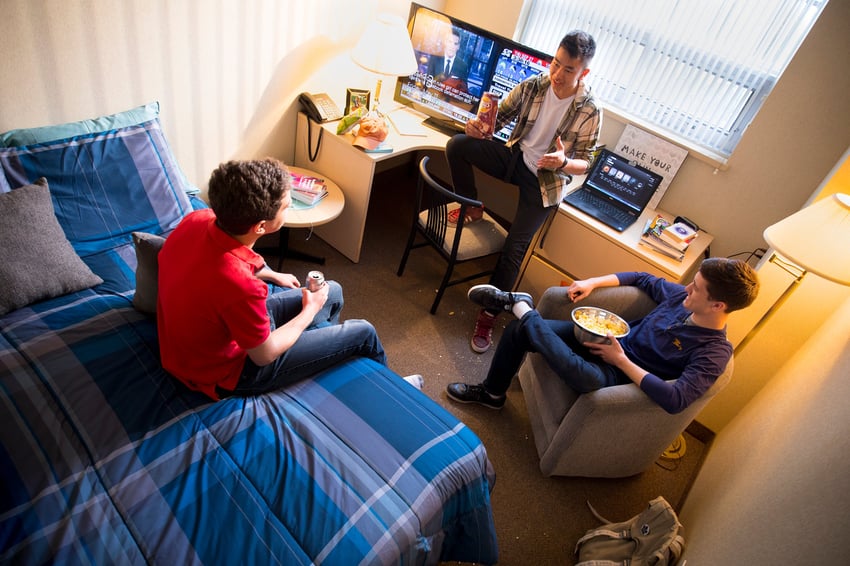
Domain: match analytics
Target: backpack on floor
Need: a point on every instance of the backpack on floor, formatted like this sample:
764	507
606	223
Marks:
652	538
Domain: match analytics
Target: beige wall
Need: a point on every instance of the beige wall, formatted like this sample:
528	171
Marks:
775	488
226	73
805	310
781	466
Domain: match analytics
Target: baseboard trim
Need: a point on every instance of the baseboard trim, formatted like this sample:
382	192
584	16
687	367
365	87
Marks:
700	432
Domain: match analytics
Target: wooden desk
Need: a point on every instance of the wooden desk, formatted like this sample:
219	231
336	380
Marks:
353	170
572	246
575	246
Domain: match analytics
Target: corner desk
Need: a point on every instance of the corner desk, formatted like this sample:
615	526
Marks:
353	170
572	245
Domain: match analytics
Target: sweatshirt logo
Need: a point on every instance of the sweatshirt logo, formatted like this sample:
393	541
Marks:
677	343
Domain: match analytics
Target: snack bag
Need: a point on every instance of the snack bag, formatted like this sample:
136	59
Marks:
487	110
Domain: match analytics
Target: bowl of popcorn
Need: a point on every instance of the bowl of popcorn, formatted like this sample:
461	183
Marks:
593	324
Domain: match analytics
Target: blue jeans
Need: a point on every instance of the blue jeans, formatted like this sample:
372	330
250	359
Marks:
555	341
505	163
323	344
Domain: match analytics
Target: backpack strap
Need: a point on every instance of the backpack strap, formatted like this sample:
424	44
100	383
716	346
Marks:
596	514
676	548
611	536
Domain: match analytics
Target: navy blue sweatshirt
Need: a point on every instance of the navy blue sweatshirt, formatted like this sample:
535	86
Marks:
666	347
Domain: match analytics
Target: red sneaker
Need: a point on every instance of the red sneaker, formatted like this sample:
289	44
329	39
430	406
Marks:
482	336
473	214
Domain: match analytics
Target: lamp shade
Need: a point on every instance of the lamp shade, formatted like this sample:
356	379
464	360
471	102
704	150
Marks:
817	238
385	47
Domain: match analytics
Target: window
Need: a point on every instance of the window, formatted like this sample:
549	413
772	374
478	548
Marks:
694	70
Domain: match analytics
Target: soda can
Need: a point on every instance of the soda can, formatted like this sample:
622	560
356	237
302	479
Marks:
315	279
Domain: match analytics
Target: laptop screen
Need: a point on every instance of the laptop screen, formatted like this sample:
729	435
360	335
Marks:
629	184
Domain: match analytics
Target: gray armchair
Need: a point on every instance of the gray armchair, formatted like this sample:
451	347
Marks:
612	432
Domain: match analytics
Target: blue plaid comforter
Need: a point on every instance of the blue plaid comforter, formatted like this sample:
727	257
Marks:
106	459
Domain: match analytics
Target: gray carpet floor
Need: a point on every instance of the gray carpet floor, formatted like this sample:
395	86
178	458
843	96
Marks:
538	519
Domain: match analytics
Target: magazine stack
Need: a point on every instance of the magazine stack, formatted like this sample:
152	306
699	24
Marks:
670	239
308	190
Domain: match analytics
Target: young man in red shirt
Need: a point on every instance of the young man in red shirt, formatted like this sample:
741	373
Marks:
220	331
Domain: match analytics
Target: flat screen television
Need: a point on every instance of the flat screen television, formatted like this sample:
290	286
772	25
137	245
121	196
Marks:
484	62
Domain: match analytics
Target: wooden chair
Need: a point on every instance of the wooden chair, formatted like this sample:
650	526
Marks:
455	243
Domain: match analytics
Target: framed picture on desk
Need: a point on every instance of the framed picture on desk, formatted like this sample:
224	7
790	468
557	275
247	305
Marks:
355	98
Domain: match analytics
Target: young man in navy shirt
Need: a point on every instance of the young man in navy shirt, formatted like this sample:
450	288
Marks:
674	354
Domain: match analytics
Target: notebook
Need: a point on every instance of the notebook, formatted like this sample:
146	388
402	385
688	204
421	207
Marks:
615	191
406	124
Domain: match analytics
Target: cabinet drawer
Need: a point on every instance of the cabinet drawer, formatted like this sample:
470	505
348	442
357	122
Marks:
539	275
584	253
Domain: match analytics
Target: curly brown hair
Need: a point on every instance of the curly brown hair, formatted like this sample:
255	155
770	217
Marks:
243	193
731	281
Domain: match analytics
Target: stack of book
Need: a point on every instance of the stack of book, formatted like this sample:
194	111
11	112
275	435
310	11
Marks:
308	190
669	239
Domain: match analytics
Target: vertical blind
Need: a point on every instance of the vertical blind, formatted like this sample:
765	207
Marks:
698	70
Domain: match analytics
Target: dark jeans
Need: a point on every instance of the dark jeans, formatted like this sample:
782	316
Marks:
325	343
491	157
555	341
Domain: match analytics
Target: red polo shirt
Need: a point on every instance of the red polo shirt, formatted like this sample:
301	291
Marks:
210	306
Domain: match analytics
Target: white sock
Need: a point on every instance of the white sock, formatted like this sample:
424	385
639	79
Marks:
415	380
519	308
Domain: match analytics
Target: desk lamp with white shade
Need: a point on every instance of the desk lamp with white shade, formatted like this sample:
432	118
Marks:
385	49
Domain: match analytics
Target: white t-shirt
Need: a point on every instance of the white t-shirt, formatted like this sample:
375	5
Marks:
537	142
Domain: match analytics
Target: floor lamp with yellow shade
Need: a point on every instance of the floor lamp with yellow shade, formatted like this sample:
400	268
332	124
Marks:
816	240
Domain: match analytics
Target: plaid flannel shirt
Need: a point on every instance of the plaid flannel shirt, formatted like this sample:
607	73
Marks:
579	129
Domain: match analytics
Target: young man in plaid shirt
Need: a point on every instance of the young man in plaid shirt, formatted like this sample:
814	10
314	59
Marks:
557	126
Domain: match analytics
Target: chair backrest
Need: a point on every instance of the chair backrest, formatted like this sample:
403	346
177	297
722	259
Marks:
434	199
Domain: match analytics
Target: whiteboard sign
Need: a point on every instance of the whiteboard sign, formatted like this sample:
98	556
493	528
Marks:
654	153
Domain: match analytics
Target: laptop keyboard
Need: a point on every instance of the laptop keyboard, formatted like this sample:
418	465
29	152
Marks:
593	203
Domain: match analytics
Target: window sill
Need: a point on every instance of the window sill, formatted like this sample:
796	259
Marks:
719	162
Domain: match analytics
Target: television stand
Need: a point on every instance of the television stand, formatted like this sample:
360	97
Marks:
444	126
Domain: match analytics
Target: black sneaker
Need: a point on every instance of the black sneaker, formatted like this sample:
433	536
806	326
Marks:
491	298
465	393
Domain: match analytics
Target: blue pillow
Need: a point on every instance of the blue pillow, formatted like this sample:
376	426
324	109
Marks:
105	185
43	134
29	136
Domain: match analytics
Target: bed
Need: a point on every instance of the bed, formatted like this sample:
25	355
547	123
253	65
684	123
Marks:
106	459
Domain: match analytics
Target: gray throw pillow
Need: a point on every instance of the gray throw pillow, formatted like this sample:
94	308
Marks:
147	270
37	261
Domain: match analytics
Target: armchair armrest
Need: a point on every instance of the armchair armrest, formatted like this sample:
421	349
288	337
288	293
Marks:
628	302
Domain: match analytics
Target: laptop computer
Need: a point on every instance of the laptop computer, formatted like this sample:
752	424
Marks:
615	191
